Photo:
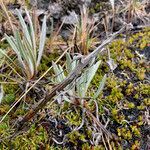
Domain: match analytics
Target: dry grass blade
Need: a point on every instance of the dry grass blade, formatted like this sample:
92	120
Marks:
112	4
82	33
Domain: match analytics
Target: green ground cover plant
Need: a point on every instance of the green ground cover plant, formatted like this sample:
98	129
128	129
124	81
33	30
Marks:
105	107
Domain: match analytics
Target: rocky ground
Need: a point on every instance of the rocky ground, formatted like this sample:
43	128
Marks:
123	105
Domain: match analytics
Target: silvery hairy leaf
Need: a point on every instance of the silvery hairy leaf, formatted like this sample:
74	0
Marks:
100	88
1	93
112	64
84	81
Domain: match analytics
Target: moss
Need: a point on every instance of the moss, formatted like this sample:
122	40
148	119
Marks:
47	61
19	111
74	136
144	89
131	105
117	48
136	145
3	127
74	119
123	100
125	93
141	73
3	45
4	108
115	95
125	133
128	53
9	91
9	98
129	89
147	101
86	146
112	82
141	39
98	77
141	107
36	139
114	112
135	130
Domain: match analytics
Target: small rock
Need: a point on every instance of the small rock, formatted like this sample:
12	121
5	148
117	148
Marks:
86	2
72	18
42	4
55	10
1	30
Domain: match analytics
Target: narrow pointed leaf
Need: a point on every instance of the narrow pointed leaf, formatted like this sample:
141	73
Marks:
57	72
24	27
1	93
42	41
100	88
68	63
91	73
32	34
